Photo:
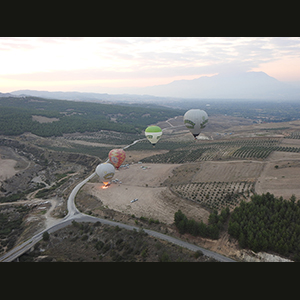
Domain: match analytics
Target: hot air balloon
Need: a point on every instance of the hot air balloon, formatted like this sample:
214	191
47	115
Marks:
153	134
116	157
195	120
105	171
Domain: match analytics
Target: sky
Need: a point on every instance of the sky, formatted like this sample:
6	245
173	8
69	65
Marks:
89	64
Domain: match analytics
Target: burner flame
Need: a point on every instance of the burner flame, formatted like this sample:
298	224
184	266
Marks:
106	185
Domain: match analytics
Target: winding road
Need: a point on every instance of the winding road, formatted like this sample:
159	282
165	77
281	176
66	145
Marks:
75	214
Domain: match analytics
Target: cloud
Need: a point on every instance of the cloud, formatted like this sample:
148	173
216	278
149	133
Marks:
59	40
12	43
98	59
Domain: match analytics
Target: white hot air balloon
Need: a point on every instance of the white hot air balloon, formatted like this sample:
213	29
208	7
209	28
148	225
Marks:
195	120
153	134
105	171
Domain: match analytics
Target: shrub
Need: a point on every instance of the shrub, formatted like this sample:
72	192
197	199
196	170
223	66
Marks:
46	236
198	253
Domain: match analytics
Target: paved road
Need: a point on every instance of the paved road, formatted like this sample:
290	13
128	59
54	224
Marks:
80	217
75	214
192	247
72	209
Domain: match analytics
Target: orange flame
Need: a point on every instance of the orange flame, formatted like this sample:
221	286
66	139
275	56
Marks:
105	186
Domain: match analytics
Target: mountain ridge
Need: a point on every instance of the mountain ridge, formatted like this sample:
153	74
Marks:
243	85
246	85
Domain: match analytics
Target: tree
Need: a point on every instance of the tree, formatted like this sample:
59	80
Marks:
213	217
182	226
293	199
242	240
234	229
192	227
46	236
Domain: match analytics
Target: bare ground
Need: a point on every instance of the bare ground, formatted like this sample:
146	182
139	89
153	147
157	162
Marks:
155	201
280	175
228	171
7	168
10	163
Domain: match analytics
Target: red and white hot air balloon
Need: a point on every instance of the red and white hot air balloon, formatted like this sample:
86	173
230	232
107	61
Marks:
116	157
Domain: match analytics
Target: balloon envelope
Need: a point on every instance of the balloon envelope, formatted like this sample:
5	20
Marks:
116	157
105	171
195	120
153	134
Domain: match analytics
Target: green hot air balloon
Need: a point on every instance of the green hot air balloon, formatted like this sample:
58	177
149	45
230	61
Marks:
153	134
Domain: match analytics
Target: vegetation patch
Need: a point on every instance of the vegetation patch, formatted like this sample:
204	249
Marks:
268	224
95	242
212	230
71	116
11	225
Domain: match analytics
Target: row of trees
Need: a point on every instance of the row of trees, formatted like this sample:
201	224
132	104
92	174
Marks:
214	150
268	224
215	195
244	148
212	230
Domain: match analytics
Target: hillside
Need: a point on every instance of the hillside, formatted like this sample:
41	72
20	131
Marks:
233	159
19	115
103	243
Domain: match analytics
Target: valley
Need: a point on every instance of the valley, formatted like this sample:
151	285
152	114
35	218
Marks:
232	160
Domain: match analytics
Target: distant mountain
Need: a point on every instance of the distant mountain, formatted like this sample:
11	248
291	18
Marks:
246	85
89	97
6	95
62	95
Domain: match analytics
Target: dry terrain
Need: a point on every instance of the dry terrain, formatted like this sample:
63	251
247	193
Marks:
161	189
281	175
10	163
7	168
228	171
154	201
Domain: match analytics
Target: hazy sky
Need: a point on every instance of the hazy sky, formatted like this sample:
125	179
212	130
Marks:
85	64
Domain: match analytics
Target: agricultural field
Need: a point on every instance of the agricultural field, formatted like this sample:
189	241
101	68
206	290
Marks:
247	148
216	195
216	184
294	135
